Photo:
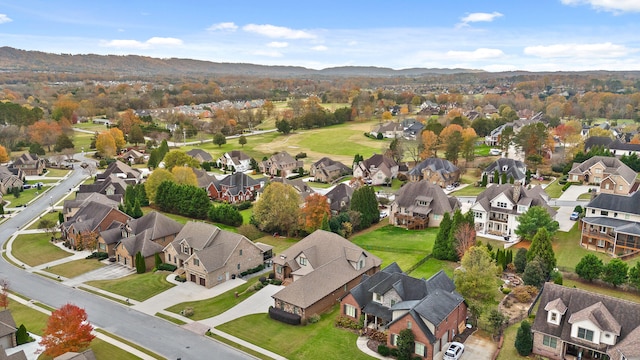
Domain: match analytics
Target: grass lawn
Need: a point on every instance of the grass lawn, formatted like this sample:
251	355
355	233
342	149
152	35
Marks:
469	190
482	150
82	140
554	189
279	244
595	288
246	215
568	250
53	216
432	266
390	243
36	249
138	287
585	196
56	172
249	148
75	268
207	308
508	351
25	197
321	340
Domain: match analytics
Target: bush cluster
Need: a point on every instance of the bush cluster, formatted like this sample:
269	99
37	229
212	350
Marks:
301	155
252	270
243	205
383	350
283	316
167	267
98	255
347	323
524	294
180	278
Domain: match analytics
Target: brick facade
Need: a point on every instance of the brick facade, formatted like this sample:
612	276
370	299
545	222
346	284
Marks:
546	351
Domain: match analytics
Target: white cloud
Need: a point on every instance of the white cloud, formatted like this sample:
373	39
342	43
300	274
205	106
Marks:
601	50
477	54
615	6
480	17
135	44
320	48
273	31
223	26
4	19
278	44
269	53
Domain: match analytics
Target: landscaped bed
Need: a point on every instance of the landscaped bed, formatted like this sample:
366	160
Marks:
36	249
138	287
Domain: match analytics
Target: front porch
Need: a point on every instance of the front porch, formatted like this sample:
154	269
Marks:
577	352
412	222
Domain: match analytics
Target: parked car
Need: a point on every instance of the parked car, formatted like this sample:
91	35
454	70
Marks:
495	152
574	215
454	352
450	187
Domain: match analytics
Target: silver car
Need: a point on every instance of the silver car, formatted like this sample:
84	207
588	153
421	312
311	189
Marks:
454	352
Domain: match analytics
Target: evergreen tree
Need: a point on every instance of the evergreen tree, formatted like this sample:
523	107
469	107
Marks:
451	252
532	220
365	202
520	261
503	178
496	177
406	344
509	257
634	276
158	260
590	267
484	180
1	208
542	249
325	224
22	336
615	272
524	339
440	245
141	266
534	273
60	217
511	179
136	212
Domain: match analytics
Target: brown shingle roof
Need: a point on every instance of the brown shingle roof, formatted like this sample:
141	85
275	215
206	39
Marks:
7	324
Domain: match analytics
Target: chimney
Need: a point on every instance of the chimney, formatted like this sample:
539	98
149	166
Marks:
516	191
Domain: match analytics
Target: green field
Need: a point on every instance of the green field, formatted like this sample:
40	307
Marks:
75	268
321	340
36	249
25	197
138	287
53	216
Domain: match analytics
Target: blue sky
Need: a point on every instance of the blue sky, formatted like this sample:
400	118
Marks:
499	35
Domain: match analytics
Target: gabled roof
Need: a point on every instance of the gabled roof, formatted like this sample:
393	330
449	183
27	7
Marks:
608	313
89	216
437	201
158	225
377	160
613	166
556	305
141	242
118	167
536	196
327	162
27	158
7	323
282	157
620	203
203	178
387	126
341	192
236	183
205	156
119	185
602	141
85	355
237	155
515	168
216	254
441	166
87	197
197	235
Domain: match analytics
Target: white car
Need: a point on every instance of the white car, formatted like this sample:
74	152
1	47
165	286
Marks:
454	352
450	187
495	152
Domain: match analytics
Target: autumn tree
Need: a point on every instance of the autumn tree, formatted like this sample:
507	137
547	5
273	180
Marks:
179	158
4	155
475	280
127	120
154	180
184	175
466	237
4	293
468	146
118	137
106	144
278	209
67	331
532	220
429	144
44	133
451	140
64	108
87	240
315	210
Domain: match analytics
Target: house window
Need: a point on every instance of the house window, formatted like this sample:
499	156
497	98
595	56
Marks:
279	269
606	186
196	262
238	266
620	187
361	264
477	214
408	324
436	217
169	257
604	213
554	317
593	211
575	177
394	339
585	334
377	297
303	261
350	310
501	204
240	252
549	341
420	349
601	243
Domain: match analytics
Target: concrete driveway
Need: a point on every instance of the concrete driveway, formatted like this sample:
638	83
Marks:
109	272
572	193
478	348
564	212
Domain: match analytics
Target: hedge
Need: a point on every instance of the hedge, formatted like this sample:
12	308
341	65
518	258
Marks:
283	316
98	255
252	270
167	267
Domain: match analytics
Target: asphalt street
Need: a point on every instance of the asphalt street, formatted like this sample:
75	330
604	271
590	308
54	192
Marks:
155	334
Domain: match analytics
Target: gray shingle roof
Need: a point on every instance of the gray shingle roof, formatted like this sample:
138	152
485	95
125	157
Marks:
7	323
515	168
340	193
441	166
537	196
619	203
613	166
205	156
439	204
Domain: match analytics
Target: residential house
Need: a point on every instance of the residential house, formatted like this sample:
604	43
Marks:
235	159
496	209
495	136
489	110
122	171
612	224
393	301
611	174
376	170
203	178
615	146
134	156
71	207
301	187
148	235
317	271
413	130
389	129
85	355
91	218
210	256
339	198
577	324
20	355
437	171
10	178
421	204
280	164
514	170
30	164
234	188
112	185
200	155
326	170
8	330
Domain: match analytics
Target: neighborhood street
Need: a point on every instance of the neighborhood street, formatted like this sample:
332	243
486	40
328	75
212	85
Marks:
155	334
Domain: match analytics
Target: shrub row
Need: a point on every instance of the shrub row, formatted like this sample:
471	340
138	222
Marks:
252	270
167	267
283	316
98	255
347	323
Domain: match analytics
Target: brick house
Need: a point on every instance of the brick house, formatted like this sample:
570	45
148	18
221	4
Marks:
280	164
376	170
234	188
340	198
612	224
8	330
120	170
91	218
576	324
71	207
210	256
10	178
611	174
326	170
421	204
437	171
30	164
317	271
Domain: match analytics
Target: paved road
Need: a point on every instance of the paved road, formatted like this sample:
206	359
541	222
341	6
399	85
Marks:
148	331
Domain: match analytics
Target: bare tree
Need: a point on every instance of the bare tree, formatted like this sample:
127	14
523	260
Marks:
90	168
69	152
466	237
413	148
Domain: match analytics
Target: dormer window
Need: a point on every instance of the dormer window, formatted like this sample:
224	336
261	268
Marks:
303	261
377	297
553	317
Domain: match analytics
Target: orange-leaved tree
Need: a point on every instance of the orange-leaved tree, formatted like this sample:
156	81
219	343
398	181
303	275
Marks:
67	330
4	155
315	209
